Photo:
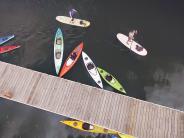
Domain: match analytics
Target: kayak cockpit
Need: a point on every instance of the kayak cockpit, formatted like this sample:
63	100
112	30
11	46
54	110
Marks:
90	66
109	78
58	54
87	126
58	41
73	56
71	59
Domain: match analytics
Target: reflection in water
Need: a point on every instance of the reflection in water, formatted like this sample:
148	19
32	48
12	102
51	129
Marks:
168	88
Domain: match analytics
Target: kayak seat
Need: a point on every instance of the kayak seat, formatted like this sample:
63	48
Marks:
90	66
87	126
58	55
58	41
73	56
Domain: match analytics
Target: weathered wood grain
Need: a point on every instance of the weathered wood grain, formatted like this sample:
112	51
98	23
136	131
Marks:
125	114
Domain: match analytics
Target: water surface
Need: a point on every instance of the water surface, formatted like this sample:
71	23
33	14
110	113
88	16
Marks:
158	77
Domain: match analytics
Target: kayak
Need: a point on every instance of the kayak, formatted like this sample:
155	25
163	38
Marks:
58	50
71	60
75	22
111	80
93	128
5	49
87	127
125	135
91	68
132	45
5	39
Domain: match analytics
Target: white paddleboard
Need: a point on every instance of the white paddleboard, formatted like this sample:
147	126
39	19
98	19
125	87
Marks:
92	69
75	22
132	45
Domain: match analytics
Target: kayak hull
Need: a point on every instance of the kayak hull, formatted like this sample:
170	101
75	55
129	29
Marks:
70	63
132	45
115	84
6	38
58	50
5	49
96	129
75	22
93	72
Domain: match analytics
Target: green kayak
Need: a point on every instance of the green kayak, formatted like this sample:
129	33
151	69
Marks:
111	80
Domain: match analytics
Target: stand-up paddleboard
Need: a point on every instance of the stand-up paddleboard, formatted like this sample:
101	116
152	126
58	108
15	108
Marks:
91	68
5	49
132	45
75	22
71	60
58	50
111	80
5	39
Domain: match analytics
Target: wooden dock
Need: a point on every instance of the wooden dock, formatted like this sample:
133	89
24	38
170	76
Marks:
110	110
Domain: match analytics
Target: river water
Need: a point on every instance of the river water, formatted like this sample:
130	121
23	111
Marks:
157	77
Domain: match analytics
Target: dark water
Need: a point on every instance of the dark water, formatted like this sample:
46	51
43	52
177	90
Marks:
158	77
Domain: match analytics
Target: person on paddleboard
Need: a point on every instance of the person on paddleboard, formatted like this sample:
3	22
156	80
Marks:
131	35
71	14
58	41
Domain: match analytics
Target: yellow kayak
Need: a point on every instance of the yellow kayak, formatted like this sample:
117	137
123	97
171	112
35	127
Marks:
87	127
125	136
93	128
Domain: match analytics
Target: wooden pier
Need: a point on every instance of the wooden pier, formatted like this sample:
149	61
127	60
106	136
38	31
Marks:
93	105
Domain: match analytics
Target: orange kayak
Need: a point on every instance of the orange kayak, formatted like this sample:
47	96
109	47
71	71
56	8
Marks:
5	49
72	59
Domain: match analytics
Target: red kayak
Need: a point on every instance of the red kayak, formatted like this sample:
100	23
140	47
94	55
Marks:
71	60
4	49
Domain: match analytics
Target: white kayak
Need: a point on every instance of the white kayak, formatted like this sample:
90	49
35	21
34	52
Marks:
132	45
75	22
58	50
92	69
